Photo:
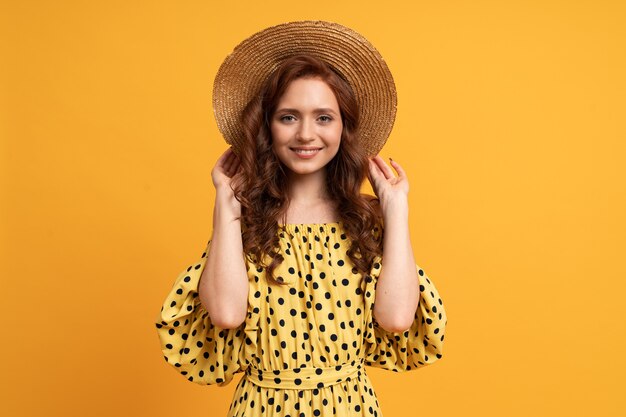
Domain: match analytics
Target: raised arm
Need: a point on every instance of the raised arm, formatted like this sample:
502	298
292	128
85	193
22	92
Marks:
223	287
397	293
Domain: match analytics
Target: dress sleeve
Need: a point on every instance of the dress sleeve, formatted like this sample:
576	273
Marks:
201	351
414	348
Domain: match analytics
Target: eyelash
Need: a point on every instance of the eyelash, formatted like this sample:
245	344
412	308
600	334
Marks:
289	115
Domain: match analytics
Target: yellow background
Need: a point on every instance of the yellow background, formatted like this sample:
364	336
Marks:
510	126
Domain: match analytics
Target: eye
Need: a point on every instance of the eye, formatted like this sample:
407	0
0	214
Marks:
285	118
326	118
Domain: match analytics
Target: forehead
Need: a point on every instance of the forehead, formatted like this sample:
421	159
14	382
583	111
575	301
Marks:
308	91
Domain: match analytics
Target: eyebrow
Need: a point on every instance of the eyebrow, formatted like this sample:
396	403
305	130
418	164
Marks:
318	110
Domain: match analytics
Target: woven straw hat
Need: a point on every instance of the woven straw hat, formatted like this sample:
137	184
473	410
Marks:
243	72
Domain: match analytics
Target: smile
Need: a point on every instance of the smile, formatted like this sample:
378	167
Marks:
306	151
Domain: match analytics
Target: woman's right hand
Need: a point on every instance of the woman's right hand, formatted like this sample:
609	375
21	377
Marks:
225	169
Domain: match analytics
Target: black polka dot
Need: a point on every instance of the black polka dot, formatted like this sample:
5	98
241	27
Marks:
317	314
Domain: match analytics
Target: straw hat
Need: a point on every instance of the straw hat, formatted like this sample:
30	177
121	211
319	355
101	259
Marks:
243	72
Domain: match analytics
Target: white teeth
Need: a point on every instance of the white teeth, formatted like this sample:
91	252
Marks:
312	151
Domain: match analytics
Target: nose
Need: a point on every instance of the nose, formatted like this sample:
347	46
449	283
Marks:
306	131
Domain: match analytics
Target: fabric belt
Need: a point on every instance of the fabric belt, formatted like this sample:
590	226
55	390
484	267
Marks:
304	378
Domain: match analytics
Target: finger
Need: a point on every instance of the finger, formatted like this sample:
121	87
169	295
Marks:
228	152
370	170
235	167
374	169
372	176
387	172
398	168
236	158
224	157
234	152
376	176
228	163
382	167
221	159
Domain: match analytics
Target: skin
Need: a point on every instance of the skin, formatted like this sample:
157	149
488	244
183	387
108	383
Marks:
397	289
224	283
223	287
307	115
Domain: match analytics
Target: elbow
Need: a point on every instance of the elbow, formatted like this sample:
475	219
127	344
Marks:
394	328
396	325
228	322
224	319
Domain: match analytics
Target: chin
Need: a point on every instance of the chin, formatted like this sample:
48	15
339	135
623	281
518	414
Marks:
304	171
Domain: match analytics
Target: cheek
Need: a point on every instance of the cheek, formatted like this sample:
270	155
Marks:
278	133
338	133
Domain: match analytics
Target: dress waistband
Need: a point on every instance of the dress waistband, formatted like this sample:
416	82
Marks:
304	378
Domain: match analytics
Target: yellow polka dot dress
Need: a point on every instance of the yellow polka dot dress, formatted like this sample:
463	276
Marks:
303	347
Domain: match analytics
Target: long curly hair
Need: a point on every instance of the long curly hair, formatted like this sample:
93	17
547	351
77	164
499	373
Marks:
260	183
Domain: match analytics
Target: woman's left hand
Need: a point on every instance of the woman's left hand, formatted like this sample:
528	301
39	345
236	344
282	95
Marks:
386	185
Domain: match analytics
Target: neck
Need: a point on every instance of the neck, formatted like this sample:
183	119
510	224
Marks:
307	189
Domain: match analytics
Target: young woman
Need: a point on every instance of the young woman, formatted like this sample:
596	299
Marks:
291	290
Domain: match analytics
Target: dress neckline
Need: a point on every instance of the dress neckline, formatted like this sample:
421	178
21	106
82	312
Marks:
306	224
318	225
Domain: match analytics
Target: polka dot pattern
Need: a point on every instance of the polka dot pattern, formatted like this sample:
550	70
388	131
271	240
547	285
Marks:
305	377
303	347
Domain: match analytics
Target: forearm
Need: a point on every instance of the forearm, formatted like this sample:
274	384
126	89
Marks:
224	284
397	289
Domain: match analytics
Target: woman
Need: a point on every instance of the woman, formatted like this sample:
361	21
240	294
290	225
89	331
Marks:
296	314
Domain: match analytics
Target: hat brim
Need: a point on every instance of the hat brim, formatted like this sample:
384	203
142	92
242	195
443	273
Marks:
244	71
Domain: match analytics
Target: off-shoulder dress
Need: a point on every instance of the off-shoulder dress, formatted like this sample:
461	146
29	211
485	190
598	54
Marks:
303	346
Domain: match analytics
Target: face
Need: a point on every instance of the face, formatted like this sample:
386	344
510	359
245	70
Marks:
307	117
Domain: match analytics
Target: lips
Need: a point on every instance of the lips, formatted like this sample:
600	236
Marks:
306	151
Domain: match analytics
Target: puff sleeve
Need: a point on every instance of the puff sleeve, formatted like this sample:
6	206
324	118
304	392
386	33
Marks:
416	347
201	351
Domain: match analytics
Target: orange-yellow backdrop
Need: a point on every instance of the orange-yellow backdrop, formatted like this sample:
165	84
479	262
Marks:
510	125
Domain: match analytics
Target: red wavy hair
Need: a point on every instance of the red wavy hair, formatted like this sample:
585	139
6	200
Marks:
260	183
